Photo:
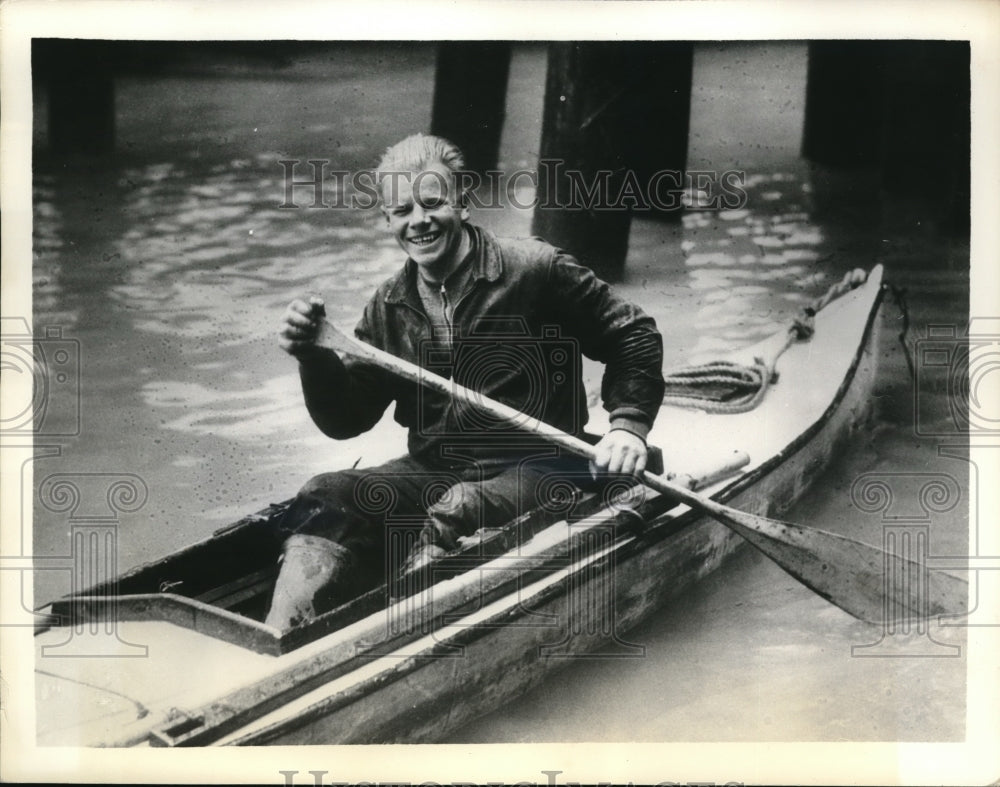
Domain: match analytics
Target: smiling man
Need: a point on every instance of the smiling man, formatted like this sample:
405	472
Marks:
508	318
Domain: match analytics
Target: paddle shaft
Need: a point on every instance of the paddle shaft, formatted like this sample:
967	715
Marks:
334	339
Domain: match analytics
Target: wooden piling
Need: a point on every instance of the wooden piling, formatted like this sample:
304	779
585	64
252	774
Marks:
470	96
615	113
843	103
896	114
925	158
81	100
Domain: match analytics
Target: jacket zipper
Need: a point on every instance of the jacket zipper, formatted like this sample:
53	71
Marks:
447	317
458	303
451	320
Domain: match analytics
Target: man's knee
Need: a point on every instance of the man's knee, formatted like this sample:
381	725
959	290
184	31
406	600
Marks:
327	485
325	507
453	514
456	501
470	506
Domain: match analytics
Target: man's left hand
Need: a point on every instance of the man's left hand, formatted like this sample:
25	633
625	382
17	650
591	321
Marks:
619	451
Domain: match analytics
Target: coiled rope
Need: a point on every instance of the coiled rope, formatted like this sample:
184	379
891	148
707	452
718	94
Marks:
726	387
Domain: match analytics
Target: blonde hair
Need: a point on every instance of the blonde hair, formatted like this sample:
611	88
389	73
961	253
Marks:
418	151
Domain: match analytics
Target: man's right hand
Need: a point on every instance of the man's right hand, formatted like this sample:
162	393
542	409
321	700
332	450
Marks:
300	326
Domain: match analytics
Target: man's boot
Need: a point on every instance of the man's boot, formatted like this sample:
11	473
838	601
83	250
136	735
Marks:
313	571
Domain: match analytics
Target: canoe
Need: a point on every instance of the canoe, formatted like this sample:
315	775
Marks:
173	653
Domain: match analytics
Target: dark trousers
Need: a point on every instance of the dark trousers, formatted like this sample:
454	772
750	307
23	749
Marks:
380	513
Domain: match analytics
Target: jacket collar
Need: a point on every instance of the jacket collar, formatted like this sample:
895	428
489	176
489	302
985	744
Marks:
488	264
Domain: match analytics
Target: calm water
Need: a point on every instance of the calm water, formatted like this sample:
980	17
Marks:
171	263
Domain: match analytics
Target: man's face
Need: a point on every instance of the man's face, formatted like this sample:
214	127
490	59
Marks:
424	217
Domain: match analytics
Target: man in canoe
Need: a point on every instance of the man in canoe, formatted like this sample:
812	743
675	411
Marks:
507	318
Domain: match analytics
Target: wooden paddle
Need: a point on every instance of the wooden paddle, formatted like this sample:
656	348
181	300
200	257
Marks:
848	573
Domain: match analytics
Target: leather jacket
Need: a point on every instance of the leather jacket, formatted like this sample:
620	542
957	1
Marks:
518	331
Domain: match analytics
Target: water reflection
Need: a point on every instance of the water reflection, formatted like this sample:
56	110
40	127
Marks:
258	412
216	257
752	266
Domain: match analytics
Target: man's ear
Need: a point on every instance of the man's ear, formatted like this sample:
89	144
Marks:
463	206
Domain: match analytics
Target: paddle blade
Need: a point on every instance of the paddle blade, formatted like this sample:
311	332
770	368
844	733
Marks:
868	582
